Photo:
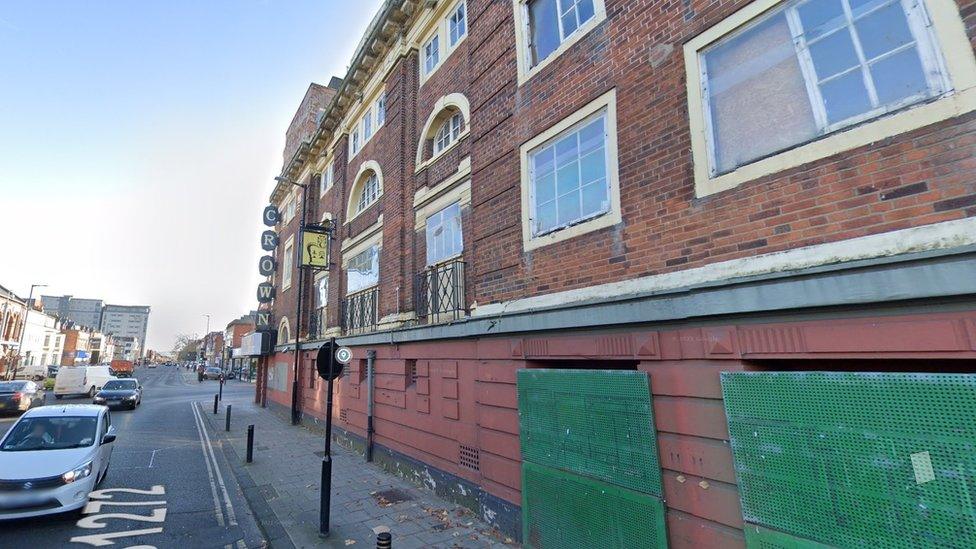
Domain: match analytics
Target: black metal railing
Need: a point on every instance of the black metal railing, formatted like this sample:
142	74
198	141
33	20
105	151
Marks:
359	311
440	292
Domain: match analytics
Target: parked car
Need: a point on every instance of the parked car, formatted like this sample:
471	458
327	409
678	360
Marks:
121	393
52	458
17	396
80	380
211	373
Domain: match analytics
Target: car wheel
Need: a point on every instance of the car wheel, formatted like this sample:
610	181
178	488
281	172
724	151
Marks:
91	392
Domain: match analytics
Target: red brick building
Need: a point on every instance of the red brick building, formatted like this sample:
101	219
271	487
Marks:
677	189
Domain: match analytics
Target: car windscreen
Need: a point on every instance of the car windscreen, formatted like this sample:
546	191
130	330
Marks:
50	433
120	385
12	386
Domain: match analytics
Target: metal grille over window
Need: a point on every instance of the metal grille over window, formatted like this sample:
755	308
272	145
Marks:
569	177
359	311
812	67
440	292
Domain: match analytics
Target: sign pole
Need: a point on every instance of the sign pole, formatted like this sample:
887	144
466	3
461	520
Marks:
325	493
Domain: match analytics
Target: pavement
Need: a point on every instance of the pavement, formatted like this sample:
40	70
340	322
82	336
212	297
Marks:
168	483
283	485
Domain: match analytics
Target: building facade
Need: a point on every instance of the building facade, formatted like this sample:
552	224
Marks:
77	345
681	193
43	340
83	312
12	312
126	321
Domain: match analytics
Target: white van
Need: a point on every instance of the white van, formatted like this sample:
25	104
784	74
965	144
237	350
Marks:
80	380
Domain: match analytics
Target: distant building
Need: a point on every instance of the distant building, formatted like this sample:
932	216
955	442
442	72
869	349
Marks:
126	321
43	340
127	347
11	324
77	345
83	312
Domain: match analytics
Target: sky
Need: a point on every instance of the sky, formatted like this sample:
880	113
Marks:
139	142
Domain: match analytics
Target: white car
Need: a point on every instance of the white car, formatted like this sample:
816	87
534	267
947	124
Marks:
52	458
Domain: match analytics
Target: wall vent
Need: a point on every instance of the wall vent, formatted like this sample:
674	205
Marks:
469	457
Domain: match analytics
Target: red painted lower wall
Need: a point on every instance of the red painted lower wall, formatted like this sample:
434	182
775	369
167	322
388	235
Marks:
452	404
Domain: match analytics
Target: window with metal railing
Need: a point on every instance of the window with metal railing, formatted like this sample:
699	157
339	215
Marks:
440	292
359	311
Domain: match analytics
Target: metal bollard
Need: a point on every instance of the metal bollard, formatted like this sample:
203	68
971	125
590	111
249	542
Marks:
384	540
221	387
215	404
250	443
227	419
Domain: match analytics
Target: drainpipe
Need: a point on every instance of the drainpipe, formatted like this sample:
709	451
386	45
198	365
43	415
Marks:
370	360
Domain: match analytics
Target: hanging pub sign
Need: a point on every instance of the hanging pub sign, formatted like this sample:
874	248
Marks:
266	292
269	241
263	321
271	215
266	266
315	249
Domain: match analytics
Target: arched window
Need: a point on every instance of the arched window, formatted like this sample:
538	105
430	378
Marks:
449	131
366	190
369	193
447	124
284	331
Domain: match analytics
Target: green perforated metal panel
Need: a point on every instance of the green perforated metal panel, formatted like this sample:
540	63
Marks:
566	510
597	423
759	537
856	459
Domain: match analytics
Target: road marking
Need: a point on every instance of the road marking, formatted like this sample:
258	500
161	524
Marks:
231	516
96	506
152	458
98	520
156	490
100	540
158	515
213	485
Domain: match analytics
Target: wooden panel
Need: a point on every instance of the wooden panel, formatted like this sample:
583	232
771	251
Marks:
690	532
713	500
497	394
691	416
704	457
503	444
501	470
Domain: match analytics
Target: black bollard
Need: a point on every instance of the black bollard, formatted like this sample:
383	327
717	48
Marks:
221	393
215	404
384	540
250	443
227	419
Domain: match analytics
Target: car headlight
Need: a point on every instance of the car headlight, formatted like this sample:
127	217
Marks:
130	397
99	399
77	474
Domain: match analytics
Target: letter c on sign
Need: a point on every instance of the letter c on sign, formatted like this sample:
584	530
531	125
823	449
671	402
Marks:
266	266
271	216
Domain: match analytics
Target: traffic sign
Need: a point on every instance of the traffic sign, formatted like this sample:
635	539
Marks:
325	363
344	355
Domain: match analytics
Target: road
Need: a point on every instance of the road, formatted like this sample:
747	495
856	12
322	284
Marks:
171	472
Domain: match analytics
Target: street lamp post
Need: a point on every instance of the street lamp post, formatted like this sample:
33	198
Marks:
295	414
23	328
203	342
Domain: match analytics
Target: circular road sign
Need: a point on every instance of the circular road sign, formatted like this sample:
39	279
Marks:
344	355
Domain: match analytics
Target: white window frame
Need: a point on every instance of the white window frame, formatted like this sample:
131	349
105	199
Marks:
368	123
441	32
376	248
523	37
428	227
459	8
287	262
530	240
454	101
353	208
448	132
960	70
328	178
432	54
